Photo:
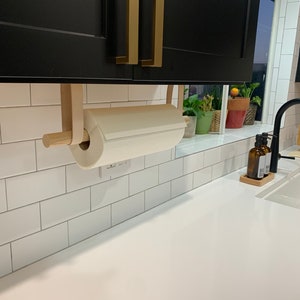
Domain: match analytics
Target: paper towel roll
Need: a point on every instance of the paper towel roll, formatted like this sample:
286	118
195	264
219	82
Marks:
122	133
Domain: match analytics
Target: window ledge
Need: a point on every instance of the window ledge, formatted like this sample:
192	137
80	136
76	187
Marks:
201	142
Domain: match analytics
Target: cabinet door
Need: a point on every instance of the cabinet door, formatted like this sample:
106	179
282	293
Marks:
59	41
204	41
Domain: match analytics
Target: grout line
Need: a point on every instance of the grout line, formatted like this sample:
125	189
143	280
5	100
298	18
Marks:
5	191
35	156
11	257
40	210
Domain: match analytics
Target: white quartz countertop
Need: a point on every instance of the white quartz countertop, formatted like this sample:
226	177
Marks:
219	242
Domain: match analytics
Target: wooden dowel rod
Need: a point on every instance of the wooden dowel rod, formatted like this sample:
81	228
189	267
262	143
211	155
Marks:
61	138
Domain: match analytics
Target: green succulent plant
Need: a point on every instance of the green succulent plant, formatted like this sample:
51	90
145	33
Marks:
205	104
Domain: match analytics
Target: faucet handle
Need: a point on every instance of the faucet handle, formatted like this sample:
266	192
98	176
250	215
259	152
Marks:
286	157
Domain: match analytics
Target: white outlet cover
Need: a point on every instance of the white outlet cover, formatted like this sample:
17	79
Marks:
115	169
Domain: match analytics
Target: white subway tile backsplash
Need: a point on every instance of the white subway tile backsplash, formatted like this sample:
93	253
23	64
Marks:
53	156
5	260
157	195
128	208
143	180
212	156
158	158
202	177
193	162
106	93
34	187
144	92
243	146
78	178
3	204
65	207
19	222
34	247
14	94
89	224
282	90
277	55
181	185
280	30
292	13
27	123
274	79
228	151
283	5
288	42
285	67
170	170
17	159
219	170
109	192
45	94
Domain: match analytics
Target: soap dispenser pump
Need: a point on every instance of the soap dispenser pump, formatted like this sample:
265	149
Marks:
256	160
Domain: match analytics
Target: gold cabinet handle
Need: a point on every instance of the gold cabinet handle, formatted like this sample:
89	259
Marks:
158	29
132	32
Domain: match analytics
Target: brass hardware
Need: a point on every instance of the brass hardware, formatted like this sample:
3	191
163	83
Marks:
132	33
158	29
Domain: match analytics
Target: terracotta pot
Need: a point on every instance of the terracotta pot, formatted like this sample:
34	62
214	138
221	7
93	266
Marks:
237	109
238	103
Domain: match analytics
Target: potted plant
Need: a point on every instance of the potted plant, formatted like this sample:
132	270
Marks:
190	114
238	106
251	112
205	114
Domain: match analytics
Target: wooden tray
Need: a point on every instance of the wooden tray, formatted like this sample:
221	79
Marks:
257	182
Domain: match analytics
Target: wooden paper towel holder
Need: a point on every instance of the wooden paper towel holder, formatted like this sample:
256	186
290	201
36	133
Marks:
72	118
73	131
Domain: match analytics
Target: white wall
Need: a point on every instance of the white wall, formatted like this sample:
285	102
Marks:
282	67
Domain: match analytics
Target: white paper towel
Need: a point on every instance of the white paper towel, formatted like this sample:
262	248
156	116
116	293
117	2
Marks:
122	133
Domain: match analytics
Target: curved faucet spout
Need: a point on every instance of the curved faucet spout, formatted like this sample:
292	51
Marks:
276	131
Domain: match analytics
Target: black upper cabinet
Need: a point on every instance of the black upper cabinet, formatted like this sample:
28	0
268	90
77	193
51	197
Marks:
78	41
59	41
208	41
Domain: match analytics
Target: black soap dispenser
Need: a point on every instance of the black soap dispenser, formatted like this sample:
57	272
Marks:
256	160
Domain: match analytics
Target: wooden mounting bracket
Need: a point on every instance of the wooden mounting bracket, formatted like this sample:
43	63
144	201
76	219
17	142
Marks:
180	95
72	118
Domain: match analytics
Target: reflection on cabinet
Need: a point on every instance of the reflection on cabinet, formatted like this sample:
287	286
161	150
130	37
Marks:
66	40
149	41
205	41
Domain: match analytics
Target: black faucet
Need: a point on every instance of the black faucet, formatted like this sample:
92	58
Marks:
275	140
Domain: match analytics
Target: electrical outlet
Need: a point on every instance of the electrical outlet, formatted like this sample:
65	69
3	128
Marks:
115	169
